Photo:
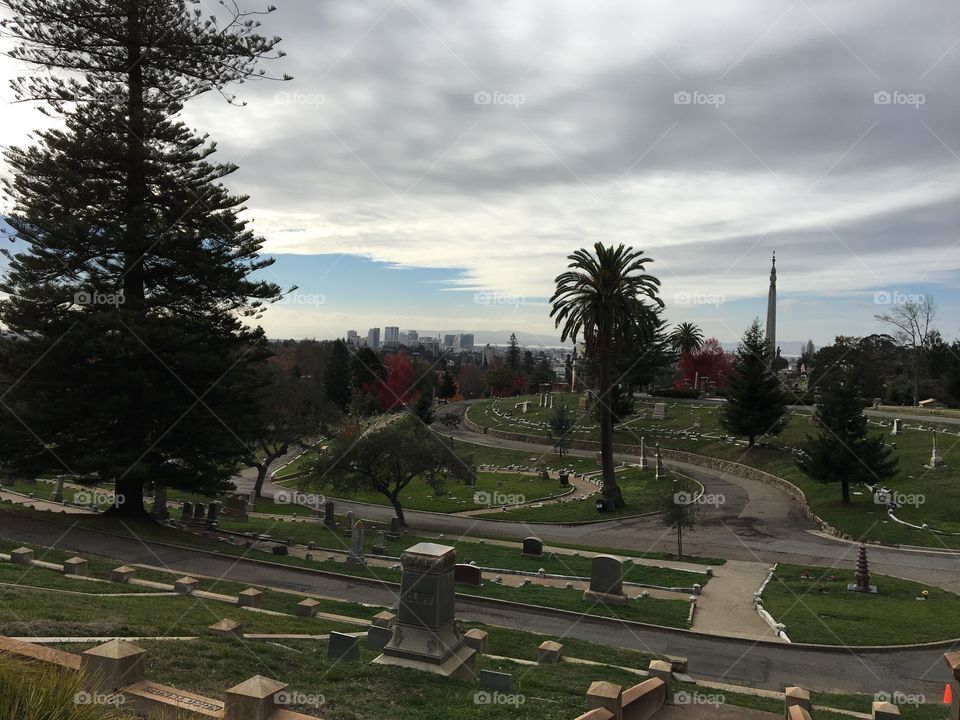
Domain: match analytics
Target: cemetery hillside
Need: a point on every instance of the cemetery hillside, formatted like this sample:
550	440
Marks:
613	481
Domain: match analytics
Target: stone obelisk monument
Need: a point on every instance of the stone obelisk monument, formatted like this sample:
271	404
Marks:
772	309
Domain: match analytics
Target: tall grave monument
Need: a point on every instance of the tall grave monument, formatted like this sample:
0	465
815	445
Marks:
425	636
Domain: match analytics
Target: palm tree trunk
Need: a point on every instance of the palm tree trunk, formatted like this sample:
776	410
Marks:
611	491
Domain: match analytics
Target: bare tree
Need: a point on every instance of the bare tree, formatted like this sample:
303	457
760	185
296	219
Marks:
912	321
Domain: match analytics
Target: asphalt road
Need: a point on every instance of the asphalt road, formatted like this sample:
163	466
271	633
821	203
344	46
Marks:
730	660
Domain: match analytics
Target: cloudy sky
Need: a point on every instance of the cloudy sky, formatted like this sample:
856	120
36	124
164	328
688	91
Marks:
433	162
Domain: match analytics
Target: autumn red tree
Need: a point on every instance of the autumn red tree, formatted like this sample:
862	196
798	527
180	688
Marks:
710	362
397	389
470	381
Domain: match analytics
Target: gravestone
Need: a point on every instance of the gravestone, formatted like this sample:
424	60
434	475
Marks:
497	681
394	527
380	547
936	459
159	510
58	491
606	581
199	510
378	637
213	513
659	411
643	453
329	519
564	479
660	472
897	427
343	647
348	529
252	500
532	547
186	511
466	574
356	545
425	636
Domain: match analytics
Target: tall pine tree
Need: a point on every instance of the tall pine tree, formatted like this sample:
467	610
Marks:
756	404
513	353
336	376
844	451
133	362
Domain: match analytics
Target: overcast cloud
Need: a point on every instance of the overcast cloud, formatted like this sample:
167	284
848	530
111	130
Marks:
499	136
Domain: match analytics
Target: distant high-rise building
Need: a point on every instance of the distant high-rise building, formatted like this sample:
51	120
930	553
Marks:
489	354
412	338
353	338
373	337
466	341
449	340
391	335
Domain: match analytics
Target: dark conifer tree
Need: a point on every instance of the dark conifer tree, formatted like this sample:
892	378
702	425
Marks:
336	377
756	404
134	362
844	451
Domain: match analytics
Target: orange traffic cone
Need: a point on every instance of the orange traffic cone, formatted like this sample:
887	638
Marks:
947	694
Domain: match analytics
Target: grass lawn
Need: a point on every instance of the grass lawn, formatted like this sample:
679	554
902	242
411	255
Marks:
297	466
26	612
838	617
640	493
328	689
939	488
209	665
493	488
660	612
486	555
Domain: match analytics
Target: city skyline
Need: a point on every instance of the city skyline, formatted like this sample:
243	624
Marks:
499	164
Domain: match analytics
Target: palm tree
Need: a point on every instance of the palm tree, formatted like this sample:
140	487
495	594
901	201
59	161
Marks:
686	337
601	298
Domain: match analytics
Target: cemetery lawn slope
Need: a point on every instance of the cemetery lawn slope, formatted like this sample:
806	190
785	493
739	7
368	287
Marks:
837	616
